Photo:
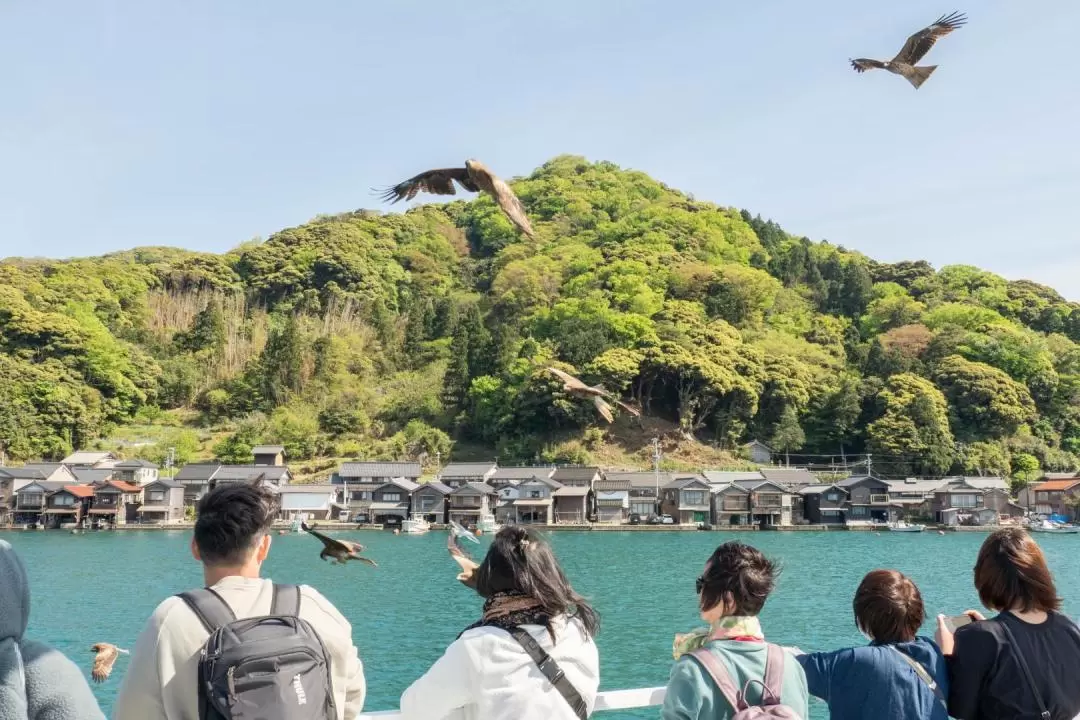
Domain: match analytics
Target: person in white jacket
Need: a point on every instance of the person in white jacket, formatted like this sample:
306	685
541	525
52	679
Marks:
487	673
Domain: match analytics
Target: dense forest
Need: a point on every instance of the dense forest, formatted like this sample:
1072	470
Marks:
389	335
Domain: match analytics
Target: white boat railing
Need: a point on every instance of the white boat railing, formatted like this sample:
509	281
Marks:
605	700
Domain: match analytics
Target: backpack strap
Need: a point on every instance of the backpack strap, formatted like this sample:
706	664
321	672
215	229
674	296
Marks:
774	671
209	607
1004	625
551	671
720	676
924	676
286	600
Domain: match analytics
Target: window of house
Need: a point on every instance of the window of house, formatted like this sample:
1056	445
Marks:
391	497
426	502
535	494
768	499
156	496
32	498
734	502
833	497
361	495
693	497
965	501
859	511
879	498
63	500
641	508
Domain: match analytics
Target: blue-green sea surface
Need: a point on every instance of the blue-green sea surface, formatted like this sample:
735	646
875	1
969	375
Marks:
102	587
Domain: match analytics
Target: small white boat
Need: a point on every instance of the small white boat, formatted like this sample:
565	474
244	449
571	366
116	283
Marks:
295	527
902	526
1046	526
488	525
415	525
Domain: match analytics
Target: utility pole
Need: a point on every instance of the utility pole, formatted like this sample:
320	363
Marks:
169	461
656	470
869	465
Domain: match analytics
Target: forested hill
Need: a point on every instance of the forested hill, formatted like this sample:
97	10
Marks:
384	335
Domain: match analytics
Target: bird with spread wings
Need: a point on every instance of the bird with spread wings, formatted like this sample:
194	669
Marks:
916	47
340	550
105	655
474	177
575	387
467	576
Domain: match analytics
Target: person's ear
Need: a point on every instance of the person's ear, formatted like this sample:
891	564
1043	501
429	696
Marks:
263	549
195	550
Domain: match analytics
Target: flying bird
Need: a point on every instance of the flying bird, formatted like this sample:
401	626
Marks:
458	531
104	659
340	550
575	387
468	565
474	177
904	64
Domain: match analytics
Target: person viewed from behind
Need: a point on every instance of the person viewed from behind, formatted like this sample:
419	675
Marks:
492	671
314	665
36	681
713	666
1024	662
899	675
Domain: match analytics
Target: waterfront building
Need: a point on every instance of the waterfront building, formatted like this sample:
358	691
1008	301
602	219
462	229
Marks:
136	472
613	504
116	502
68	505
574	500
754	502
391	502
91	459
373	474
869	498
509	476
456	475
199	478
430	501
312	501
794	478
471	501
824	504
29	500
1057	496
162	502
687	499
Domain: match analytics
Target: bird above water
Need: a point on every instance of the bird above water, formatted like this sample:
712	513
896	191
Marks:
916	47
577	388
340	550
468	565
104	659
474	177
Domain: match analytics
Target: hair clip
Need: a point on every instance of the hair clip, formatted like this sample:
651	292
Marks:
524	544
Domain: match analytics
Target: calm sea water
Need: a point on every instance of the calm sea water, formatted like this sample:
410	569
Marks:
102	586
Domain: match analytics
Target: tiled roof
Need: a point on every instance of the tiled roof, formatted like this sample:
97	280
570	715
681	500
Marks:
87	457
686	481
46	485
571	491
379	469
522	473
22	473
267	449
817	489
610	484
166	482
730	476
987	483
1054	475
475	487
565	474
311	488
467	469
197	472
755	484
444	489
1057	485
856	479
549	482
121	486
406	485
243	473
640	479
790	476
916	486
87	476
80	491
136	464
45	467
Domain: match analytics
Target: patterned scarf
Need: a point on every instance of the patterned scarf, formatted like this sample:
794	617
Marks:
509	609
736	627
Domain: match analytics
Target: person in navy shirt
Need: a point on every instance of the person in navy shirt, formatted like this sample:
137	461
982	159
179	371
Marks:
899	675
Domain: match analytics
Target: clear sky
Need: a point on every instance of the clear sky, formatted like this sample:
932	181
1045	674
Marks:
205	123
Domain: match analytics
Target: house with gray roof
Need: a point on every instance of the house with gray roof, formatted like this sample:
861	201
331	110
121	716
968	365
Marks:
471	501
824	504
792	477
754	502
375	472
687	500
643	488
505	476
136	472
429	500
870	499
199	478
90	459
457	474
162	502
726	477
268	454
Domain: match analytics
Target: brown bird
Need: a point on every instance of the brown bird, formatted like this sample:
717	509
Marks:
340	550
575	387
104	660
474	177
913	51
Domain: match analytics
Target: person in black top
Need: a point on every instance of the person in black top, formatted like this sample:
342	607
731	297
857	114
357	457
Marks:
987	678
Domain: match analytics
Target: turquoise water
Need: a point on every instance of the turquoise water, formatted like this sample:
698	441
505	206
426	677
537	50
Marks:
102	587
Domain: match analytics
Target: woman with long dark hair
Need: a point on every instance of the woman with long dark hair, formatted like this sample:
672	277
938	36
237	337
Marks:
530	656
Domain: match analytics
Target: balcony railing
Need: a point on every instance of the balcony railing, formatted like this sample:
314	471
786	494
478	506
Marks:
607	700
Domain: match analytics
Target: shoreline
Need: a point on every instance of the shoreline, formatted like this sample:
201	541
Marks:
553	528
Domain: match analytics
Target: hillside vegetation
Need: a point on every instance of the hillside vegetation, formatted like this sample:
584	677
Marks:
379	336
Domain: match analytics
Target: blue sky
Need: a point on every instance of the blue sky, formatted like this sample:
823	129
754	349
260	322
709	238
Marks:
205	123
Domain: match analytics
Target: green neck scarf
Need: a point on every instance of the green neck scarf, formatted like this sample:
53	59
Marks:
726	628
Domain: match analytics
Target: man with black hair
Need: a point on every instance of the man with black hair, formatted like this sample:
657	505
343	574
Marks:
232	539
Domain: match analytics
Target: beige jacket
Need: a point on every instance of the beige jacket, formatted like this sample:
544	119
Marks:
161	681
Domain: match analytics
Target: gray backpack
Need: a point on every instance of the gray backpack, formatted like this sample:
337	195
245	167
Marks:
770	706
273	667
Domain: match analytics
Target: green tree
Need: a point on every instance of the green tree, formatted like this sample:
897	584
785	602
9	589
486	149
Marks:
984	402
788	434
913	432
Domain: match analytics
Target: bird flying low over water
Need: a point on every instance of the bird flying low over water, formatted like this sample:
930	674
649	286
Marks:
575	387
340	550
104	659
916	47
474	177
468	565
458	531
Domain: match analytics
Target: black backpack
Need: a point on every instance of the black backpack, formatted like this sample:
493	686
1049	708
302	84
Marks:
273	667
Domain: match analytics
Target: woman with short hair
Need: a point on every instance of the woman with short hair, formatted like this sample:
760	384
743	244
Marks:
732	590
492	670
899	675
1024	662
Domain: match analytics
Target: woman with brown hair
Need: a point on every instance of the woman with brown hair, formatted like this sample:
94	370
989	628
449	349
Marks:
1023	663
899	675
